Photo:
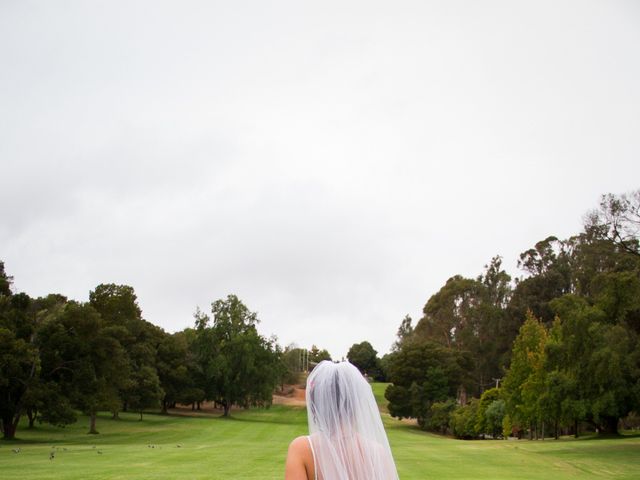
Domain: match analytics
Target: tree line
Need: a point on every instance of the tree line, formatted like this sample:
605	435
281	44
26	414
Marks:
59	357
552	352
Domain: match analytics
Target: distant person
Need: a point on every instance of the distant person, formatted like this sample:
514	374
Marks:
346	438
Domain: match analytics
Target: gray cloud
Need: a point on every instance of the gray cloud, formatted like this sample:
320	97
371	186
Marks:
332	164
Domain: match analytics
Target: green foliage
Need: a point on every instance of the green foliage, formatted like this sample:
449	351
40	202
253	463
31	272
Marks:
239	366
145	391
439	419
174	364
316	355
98	364
468	315
404	333
400	401
19	360
486	399
118	307
291	362
507	426
617	220
494	416
450	316
117	304
365	357
525	381
596	355
422	373
5	281
464	420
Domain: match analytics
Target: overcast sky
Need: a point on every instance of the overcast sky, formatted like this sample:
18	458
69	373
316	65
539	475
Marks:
332	163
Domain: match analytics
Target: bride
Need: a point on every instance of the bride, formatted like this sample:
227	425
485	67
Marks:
346	438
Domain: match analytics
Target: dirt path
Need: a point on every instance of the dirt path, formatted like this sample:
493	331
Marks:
295	399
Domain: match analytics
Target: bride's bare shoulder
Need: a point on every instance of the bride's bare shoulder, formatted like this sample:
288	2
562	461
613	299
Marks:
299	460
299	443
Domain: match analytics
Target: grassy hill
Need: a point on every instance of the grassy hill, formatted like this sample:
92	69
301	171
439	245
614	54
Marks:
253	445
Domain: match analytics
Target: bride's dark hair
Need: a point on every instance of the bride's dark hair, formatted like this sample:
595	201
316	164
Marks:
339	406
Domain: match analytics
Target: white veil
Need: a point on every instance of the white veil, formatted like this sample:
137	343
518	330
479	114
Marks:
345	428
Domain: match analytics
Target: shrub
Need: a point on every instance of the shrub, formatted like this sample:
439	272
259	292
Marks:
494	415
440	416
463	420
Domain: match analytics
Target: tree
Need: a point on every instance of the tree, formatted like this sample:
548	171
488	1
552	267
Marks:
5	281
464	419
440	416
497	283
47	399
28	379
404	333
93	363
291	361
600	355
524	383
450	316
467	315
486	399
617	219
494	417
423	373
364	357
316	355
118	306
145	391
239	365
22	388
173	363
558	402
19	360
549	270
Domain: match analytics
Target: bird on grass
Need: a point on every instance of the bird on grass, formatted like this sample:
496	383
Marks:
178	446
16	450
99	452
52	455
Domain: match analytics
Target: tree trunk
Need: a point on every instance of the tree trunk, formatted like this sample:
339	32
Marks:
543	430
9	426
227	409
198	405
92	424
609	425
164	407
116	415
575	426
556	428
140	416
193	407
531	431
31	413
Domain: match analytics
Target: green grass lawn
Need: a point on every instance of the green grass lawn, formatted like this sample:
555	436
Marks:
253	445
